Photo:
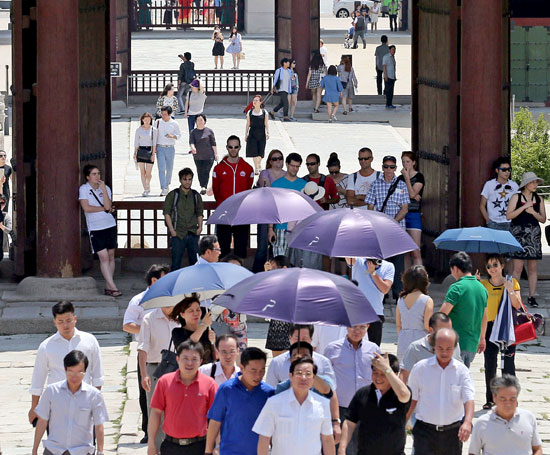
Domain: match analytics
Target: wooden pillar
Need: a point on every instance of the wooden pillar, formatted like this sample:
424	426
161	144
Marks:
483	108
57	129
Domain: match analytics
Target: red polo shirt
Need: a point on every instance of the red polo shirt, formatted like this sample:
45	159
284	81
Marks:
185	407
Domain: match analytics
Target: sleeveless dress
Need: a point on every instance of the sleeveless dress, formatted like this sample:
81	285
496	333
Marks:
255	146
412	324
526	229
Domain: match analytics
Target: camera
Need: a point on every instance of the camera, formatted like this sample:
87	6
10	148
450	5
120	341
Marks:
375	261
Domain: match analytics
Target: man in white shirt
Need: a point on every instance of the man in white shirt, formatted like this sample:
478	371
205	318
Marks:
71	409
359	182
443	399
155	335
323	335
48	365
226	368
133	317
168	133
323	51
507	429
297	421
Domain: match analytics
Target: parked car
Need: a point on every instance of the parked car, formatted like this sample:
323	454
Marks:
345	8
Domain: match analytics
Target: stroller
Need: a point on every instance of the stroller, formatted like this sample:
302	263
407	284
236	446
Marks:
348	38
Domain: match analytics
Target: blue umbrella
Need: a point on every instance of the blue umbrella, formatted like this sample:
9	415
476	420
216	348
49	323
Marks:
301	296
503	334
478	240
208	280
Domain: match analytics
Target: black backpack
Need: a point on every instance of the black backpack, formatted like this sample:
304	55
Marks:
174	211
321	180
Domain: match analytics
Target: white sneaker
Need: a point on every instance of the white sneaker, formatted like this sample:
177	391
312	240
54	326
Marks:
164	192
145	193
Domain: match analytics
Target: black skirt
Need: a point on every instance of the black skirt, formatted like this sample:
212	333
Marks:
218	49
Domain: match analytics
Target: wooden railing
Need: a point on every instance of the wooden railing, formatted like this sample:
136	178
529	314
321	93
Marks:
183	14
142	232
215	82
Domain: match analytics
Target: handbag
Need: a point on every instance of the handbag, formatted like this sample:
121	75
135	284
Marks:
145	152
524	326
168	362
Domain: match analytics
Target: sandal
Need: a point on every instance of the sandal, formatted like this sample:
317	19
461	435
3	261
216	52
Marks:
488	405
316	111
345	112
113	292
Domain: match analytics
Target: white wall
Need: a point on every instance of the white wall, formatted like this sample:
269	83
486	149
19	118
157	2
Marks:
259	17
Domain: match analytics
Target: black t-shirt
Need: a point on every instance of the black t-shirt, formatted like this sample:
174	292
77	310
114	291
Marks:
382	424
6	186
181	334
414	205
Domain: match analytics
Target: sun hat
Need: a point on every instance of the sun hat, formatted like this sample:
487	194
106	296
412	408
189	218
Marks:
529	177
314	191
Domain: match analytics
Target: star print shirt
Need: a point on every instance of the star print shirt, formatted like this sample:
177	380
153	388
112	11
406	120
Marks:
498	195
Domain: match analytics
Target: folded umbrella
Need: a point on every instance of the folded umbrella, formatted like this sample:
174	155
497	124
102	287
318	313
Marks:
351	233
207	280
503	334
478	240
301	296
264	206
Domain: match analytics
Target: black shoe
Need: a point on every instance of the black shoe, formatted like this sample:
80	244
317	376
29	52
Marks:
532	302
272	115
144	440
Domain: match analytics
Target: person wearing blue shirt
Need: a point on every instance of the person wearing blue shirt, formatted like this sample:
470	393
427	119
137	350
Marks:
375	278
333	91
237	405
282	84
276	234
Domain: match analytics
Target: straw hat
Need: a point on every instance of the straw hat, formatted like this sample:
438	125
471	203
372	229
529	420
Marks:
529	177
314	191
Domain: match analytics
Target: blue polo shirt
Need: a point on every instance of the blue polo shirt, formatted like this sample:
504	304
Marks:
283	182
360	272
237	409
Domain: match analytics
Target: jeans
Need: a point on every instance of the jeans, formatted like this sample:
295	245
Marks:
390	84
375	330
182	91
240	239
356	35
393	22
491	361
283	103
467	357
399	264
191	122
261	249
379	78
203	171
499	226
178	246
165	160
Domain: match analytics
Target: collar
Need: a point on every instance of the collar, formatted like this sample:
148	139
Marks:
426	344
292	397
65	385
178	378
160	315
58	336
348	344
201	260
432	361
495	417
384	179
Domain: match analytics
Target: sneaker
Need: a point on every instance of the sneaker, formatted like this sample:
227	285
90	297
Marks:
292	119
164	192
531	301
145	193
286	119
203	191
144	440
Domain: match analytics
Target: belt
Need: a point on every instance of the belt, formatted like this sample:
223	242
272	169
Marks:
440	428
163	145
184	441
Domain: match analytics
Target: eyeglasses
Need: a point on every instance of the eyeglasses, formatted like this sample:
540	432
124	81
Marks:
313	163
499	186
303	374
217	250
389	166
277	158
233	147
365	159
75	373
492	266
505	169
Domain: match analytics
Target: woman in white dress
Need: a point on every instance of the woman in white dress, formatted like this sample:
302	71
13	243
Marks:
373	14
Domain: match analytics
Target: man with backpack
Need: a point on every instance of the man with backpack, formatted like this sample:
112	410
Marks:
183	214
331	193
359	182
360	27
186	75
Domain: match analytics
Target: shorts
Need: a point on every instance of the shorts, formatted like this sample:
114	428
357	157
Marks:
105	239
294	91
413	221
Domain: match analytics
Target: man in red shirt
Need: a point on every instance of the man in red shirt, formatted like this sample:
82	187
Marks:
184	397
331	193
231	176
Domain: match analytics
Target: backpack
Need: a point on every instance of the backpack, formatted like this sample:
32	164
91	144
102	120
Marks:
174	211
360	25
355	176
190	74
321	180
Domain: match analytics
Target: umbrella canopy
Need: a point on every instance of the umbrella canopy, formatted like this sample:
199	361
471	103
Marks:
208	280
301	296
351	233
478	240
264	206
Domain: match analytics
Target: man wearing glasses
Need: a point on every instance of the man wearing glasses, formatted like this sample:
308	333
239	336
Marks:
184	398
231	176
73	411
496	194
359	182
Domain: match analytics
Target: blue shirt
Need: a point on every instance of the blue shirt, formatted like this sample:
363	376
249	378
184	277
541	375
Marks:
283	182
237	409
367	285
279	75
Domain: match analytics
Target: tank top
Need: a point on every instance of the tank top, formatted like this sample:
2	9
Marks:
526	219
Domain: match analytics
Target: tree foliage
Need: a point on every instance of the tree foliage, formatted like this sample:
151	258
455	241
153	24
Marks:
530	145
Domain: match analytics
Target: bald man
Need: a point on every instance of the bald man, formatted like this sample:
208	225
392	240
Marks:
442	395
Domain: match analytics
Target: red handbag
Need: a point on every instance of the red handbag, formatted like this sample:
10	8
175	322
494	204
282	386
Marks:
524	327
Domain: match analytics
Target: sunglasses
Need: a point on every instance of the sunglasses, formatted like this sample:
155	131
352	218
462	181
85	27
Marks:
277	158
492	266
233	147
389	166
365	159
499	186
505	169
334	172
2	156
313	163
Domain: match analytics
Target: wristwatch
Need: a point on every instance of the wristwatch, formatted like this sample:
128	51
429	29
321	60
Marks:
373	273
388	370
336	421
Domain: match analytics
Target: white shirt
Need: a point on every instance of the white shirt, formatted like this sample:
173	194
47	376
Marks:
155	334
495	436
294	429
324	53
497	200
219	375
96	221
326	334
170	127
71	417
48	365
280	366
134	312
145	137
361	184
441	393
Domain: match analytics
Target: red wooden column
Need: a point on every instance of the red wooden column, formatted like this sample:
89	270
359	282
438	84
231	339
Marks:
57	129
481	99
305	39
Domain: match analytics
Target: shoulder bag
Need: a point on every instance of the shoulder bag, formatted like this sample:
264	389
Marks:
391	190
113	208
168	363
526	325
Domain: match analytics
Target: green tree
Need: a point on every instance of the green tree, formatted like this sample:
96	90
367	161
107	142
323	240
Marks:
530	146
